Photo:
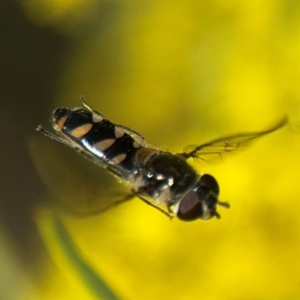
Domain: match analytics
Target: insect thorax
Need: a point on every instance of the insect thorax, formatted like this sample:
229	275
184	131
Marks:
162	176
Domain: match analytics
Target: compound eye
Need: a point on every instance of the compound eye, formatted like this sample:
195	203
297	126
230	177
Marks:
190	207
210	183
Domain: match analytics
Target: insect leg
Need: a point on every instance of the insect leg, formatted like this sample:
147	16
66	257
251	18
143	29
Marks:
85	105
117	203
54	137
158	208
65	141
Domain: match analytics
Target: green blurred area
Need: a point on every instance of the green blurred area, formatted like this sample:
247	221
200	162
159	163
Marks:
179	73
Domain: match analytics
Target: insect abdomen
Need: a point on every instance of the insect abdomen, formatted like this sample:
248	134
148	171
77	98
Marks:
105	140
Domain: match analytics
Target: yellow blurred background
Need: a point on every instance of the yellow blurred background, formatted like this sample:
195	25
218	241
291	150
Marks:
179	73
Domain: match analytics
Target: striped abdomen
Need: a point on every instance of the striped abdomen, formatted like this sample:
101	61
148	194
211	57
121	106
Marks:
106	141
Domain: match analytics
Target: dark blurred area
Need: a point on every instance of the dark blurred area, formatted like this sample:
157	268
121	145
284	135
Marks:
30	59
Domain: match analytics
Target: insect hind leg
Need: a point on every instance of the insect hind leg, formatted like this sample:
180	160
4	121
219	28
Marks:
54	136
61	139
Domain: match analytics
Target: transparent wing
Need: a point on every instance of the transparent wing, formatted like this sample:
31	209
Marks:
76	185
227	144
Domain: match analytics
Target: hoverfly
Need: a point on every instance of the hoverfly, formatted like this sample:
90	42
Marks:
161	179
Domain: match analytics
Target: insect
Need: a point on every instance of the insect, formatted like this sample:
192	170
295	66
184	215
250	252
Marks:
161	179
